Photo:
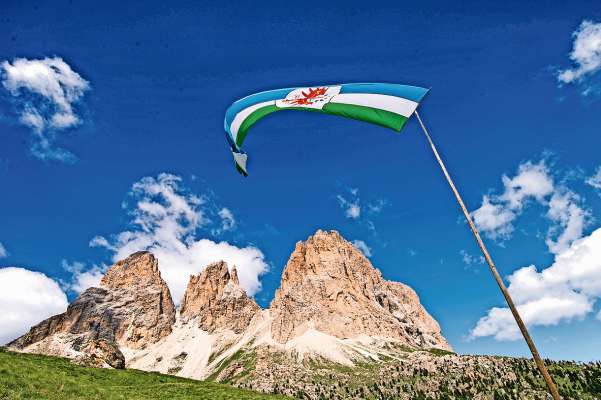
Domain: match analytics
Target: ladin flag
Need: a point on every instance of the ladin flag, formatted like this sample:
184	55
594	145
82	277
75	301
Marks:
385	104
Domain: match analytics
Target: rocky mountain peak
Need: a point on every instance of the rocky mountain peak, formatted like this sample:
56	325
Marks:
328	253
131	308
215	298
139	269
330	286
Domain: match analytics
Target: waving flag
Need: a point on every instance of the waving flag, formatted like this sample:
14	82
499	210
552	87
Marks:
385	104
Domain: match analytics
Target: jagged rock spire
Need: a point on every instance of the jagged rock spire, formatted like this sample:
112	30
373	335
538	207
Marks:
214	297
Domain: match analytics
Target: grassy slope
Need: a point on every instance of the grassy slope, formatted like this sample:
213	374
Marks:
28	376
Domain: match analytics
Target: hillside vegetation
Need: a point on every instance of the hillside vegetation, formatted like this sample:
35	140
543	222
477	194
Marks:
416	375
28	376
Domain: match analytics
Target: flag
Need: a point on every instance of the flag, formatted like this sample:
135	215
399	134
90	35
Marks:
385	104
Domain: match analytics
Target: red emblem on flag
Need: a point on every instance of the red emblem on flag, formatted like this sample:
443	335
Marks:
310	97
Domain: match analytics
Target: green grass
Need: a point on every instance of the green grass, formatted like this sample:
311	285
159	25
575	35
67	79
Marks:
439	352
28	376
224	363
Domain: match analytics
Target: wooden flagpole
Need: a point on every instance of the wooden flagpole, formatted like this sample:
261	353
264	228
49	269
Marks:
537	359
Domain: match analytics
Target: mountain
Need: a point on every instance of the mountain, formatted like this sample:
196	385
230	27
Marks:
131	308
335	329
330	287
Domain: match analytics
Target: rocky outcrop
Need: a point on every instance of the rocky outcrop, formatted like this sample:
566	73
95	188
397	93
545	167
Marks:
131	308
215	299
101	353
328	285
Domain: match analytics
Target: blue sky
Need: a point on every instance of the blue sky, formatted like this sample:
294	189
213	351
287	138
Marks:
146	87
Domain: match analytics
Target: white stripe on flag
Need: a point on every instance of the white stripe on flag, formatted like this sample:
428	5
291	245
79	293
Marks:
243	114
394	104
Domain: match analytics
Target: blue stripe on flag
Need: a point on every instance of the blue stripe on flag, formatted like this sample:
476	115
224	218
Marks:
253	99
413	93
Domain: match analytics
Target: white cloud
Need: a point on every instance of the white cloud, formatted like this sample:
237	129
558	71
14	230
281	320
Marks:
595	179
496	215
228	221
565	291
100	241
33	119
495	220
351	207
82	276
586	53
533	182
569	219
45	92
362	247
354	209
166	220
87	279
3	252
26	298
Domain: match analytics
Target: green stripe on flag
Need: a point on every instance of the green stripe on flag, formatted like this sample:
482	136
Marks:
376	116
251	119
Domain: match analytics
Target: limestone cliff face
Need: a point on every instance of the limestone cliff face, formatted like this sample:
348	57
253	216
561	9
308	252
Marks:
328	285
131	308
216	300
148	311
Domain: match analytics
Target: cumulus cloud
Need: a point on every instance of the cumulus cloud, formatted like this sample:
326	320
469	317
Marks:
586	54
167	220
533	183
45	93
564	291
595	180
362	247
83	277
3	252
496	215
26	298
495	220
569	220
